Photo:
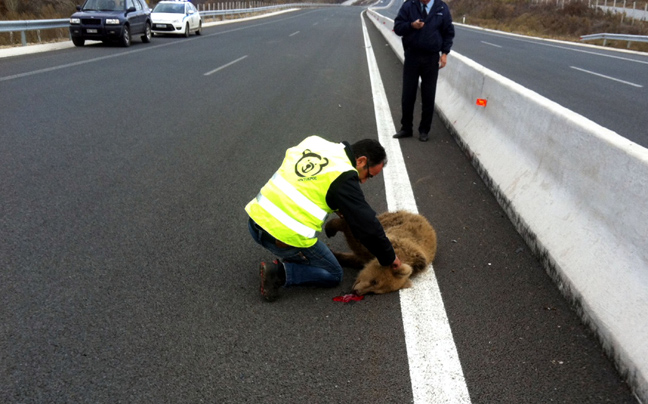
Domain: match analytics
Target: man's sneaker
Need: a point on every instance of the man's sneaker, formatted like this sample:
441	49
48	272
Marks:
271	279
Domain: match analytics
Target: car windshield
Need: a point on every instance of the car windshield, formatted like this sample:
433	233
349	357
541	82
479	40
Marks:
169	8
103	5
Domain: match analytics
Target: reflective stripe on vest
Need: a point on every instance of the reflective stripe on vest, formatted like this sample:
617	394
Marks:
286	220
299	199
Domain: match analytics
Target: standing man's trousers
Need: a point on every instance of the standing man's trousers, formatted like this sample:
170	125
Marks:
426	66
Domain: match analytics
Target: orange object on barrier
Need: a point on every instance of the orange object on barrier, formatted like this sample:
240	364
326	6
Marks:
481	102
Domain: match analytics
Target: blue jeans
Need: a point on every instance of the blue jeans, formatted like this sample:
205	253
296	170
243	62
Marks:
312	266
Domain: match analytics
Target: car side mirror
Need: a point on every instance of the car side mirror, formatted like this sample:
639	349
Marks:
78	8
131	9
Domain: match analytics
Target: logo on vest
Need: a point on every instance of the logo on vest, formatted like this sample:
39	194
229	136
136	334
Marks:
310	164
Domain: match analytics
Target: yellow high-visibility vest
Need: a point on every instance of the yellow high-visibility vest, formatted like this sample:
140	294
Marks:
292	204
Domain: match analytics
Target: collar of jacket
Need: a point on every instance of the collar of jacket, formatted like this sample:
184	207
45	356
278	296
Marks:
349	152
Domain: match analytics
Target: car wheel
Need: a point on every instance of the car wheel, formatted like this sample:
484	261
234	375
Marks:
78	41
146	38
199	30
186	33
126	37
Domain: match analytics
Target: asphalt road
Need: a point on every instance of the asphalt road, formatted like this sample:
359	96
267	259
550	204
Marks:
126	270
607	86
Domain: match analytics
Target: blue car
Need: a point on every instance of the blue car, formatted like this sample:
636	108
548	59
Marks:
111	21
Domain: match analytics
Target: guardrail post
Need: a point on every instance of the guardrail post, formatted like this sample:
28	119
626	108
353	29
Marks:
23	37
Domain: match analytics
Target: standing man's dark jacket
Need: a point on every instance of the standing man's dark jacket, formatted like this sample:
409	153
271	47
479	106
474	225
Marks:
437	34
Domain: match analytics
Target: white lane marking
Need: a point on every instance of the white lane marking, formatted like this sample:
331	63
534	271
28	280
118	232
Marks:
81	62
491	44
225	65
540	42
435	369
146	48
294	33
606	77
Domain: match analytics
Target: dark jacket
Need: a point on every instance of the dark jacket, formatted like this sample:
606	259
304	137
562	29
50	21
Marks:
344	195
435	36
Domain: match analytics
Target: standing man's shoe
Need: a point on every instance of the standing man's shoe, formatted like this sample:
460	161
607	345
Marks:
423	137
273	276
402	134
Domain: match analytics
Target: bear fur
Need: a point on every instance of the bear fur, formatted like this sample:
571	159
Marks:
414	241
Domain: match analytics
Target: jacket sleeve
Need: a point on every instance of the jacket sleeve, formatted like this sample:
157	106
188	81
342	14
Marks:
447	30
346	196
403	21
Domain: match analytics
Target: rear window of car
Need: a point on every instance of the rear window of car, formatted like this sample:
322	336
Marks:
102	5
169	8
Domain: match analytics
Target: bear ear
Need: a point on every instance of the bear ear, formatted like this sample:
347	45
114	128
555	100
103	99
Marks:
404	271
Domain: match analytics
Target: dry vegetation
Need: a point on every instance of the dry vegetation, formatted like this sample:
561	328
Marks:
560	19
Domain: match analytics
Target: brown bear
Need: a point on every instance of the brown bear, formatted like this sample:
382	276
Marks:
414	241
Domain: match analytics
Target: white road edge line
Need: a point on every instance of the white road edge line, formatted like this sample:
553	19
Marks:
435	369
226	65
294	33
606	77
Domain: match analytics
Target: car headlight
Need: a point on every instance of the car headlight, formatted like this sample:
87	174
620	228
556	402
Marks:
112	21
75	21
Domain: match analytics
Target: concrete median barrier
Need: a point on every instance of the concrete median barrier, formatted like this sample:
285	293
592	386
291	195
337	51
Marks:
576	191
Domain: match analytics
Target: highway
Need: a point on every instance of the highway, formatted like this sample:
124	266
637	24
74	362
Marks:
127	273
609	87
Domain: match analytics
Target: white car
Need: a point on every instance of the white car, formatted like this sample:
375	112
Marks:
176	17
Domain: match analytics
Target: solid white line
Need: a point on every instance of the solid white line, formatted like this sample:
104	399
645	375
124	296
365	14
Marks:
435	369
294	33
224	66
73	64
547	42
607	77
491	44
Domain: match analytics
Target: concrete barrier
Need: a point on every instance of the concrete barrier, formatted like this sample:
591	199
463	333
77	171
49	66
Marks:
575	190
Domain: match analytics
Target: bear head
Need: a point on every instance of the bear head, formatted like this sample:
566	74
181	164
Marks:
378	279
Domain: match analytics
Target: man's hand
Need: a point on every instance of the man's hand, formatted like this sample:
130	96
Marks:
443	60
418	24
396	264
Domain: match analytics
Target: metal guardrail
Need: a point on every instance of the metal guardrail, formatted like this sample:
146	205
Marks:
23	26
615	37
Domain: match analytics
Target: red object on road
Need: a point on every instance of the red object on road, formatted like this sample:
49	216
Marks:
348	298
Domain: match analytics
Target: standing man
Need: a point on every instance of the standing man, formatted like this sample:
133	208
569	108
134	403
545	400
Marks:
427	31
317	177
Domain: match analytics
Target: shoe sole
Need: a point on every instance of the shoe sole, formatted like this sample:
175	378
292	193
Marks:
266	294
